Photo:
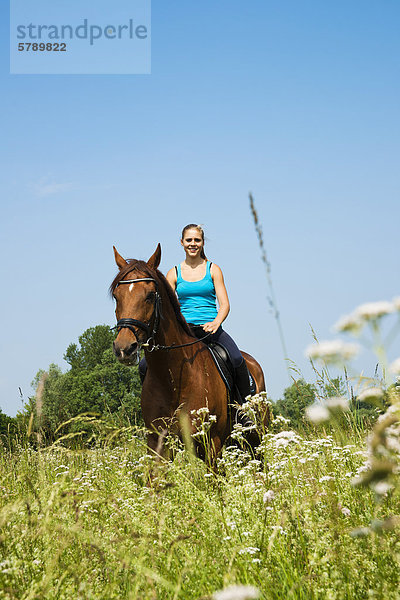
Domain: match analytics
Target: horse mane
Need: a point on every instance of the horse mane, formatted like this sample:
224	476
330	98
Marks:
140	266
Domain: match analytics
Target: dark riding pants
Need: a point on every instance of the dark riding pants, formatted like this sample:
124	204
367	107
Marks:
224	339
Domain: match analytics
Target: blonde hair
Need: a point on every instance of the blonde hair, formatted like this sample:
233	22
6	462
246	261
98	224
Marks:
201	231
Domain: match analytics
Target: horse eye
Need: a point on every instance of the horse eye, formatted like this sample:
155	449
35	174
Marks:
150	297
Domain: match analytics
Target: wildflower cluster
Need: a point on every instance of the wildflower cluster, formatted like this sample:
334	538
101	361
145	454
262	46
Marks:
366	313
333	352
202	421
333	406
381	470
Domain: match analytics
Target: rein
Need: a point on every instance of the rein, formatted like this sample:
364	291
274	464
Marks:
131	323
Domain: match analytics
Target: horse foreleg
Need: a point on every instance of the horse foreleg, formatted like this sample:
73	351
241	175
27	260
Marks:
155	450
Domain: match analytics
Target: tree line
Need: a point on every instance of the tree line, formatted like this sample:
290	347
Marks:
96	383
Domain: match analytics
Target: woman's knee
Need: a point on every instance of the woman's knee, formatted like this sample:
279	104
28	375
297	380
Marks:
232	349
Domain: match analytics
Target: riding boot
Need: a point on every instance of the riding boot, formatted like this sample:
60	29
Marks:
242	383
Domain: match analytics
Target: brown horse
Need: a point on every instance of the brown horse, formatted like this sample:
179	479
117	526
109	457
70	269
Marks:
181	374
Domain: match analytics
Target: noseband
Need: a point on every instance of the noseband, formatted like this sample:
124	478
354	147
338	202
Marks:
131	323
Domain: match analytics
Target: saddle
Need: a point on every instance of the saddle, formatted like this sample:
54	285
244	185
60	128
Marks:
224	365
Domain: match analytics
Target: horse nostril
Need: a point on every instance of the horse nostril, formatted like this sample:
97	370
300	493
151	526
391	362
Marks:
116	349
132	348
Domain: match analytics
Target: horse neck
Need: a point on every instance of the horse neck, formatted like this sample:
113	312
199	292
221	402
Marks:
170	331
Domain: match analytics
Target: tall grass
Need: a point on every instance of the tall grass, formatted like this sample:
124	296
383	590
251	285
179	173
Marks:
86	524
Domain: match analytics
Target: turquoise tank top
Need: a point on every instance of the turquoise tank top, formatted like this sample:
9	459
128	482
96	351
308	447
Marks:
197	298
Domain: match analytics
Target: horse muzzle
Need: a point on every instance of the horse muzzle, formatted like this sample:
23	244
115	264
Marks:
127	355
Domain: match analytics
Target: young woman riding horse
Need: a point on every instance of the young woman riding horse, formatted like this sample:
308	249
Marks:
198	284
181	374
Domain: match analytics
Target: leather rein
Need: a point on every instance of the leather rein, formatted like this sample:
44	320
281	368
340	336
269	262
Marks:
129	323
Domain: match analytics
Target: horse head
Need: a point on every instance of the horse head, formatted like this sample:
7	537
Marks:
135	290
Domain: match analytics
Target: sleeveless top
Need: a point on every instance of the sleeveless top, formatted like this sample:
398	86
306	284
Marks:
197	298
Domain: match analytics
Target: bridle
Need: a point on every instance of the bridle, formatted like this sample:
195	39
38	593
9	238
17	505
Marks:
129	323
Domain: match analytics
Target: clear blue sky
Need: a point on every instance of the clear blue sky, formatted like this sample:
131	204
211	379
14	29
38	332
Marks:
297	101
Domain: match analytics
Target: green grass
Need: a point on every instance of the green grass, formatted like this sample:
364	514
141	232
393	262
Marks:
84	524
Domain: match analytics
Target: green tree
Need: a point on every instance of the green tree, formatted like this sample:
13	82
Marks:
96	382
366	412
334	387
92	344
295	400
6	423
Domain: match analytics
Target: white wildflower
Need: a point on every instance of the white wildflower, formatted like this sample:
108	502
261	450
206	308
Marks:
337	403
382	488
282	439
374	310
249	550
356	481
278	529
395	366
325	478
288	435
370	394
237	592
346	511
200	412
268	496
281	420
349	323
332	351
317	413
393	443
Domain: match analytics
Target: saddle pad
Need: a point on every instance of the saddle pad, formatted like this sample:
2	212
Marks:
223	363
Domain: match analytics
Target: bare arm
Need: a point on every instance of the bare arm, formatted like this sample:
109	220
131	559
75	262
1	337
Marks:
222	297
171	278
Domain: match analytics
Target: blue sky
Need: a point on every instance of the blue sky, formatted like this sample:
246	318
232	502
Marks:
294	101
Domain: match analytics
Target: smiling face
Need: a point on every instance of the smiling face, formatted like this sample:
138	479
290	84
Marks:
192	242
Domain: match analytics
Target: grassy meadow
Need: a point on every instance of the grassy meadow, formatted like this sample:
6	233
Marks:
85	523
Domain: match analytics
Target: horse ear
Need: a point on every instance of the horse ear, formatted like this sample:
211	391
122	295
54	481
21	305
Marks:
155	258
121	262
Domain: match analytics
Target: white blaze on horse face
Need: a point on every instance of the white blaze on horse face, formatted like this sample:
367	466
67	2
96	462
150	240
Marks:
131	287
